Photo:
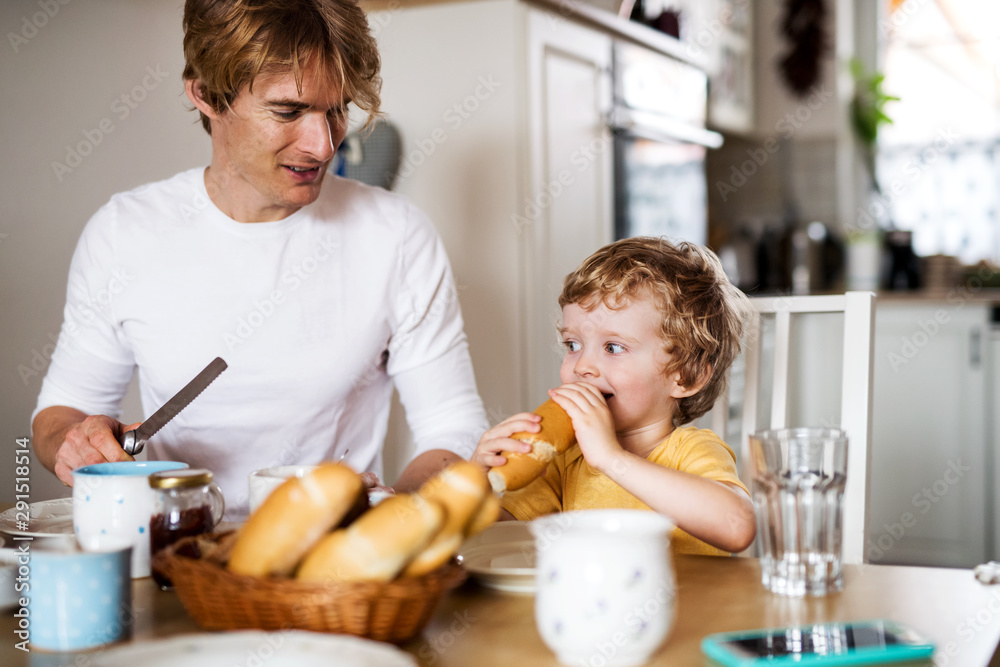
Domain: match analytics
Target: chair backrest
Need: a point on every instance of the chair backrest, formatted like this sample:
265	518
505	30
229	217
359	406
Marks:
855	397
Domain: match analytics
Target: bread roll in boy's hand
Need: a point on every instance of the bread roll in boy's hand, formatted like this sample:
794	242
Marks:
555	437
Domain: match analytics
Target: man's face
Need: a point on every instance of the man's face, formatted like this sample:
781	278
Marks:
272	148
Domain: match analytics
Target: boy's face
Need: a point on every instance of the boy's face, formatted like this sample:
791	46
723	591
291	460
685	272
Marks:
620	352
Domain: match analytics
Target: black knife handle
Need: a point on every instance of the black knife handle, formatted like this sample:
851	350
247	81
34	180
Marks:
130	444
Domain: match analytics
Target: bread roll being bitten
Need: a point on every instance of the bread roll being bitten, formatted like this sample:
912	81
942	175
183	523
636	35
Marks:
293	518
555	437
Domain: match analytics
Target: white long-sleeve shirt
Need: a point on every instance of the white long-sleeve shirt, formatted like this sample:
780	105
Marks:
317	315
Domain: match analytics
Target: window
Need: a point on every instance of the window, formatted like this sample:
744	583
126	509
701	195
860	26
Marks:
939	161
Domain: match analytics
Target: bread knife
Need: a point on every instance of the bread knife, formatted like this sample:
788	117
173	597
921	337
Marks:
133	441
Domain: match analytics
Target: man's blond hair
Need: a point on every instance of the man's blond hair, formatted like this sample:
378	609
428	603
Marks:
229	43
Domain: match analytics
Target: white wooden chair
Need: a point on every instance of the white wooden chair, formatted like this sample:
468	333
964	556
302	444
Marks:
858	310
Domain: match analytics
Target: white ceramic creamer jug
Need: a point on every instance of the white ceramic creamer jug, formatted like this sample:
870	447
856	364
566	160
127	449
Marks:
605	589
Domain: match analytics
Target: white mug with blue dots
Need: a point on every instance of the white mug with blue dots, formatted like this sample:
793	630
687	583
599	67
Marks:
112	506
605	592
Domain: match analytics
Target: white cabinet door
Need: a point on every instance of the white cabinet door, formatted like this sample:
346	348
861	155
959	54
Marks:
928	496
568	211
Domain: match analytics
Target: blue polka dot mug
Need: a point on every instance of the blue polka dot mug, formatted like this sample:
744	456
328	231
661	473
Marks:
78	600
604	585
112	506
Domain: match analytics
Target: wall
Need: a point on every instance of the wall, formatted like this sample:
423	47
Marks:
778	110
459	120
789	161
93	104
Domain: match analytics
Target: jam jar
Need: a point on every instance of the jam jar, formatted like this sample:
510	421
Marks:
185	502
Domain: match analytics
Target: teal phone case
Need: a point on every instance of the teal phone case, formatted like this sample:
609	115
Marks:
911	646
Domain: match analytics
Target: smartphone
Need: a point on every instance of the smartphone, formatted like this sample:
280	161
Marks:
852	643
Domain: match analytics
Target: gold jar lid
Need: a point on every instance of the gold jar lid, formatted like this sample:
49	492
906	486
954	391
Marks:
181	478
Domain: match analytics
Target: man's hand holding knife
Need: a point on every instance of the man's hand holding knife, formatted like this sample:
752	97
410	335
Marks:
67	438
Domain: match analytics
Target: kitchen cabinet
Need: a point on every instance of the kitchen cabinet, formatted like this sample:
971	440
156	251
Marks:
932	449
720	33
569	212
505	148
993	433
718	36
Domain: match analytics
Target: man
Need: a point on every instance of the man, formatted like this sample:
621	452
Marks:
319	292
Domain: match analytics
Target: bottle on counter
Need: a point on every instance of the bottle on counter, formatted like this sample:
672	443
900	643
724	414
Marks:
903	265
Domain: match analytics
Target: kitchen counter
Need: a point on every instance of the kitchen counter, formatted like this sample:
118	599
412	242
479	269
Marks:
953	295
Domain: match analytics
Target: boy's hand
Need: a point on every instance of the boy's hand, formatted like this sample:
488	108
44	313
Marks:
497	439
592	421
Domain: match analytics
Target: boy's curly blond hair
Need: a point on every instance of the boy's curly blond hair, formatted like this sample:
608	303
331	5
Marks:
702	314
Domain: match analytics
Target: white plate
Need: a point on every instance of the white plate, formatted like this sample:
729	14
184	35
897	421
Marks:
502	557
46	518
274	649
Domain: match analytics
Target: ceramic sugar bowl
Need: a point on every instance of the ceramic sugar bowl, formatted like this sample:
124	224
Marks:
605	585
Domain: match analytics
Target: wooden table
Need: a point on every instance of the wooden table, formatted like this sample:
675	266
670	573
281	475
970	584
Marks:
477	627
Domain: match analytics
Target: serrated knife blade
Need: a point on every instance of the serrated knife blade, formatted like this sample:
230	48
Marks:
133	441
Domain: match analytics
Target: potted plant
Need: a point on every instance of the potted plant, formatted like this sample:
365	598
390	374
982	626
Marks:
867	116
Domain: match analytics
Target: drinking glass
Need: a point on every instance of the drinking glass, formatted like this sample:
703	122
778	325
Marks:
798	493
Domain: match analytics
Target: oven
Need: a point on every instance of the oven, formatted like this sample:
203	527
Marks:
660	141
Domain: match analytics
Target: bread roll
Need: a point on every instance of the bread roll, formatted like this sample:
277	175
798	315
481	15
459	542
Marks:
486	516
293	518
378	545
361	505
461	489
557	435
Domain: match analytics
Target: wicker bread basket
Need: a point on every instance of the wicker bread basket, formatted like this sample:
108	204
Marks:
218	599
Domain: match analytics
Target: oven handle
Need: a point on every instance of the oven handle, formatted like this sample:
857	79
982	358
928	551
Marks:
660	128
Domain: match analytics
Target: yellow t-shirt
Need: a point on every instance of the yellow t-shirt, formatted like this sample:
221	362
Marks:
571	484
